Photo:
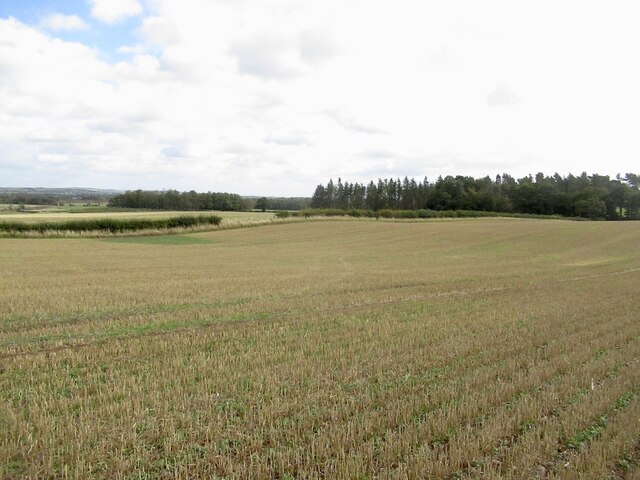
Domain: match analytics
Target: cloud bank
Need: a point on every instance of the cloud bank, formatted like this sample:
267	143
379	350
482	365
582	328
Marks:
271	97
61	22
114	11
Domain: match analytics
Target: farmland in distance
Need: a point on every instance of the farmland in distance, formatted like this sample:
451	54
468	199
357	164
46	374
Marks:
48	215
479	348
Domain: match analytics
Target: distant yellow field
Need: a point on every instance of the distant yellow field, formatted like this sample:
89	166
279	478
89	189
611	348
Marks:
228	217
486	348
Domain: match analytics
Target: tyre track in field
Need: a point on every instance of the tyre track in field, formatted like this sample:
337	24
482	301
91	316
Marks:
224	321
127	313
124	314
279	317
599	275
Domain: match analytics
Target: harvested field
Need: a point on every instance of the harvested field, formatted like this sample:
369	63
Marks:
46	216
479	348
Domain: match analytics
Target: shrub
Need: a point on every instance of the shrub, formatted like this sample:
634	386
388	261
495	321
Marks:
411	214
112	225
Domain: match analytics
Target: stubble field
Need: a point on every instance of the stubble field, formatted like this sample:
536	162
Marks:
492	348
46	215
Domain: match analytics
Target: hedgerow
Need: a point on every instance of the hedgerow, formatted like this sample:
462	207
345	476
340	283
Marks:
411	214
112	225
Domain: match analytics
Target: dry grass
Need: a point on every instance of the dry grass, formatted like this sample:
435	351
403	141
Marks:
54	225
62	216
338	349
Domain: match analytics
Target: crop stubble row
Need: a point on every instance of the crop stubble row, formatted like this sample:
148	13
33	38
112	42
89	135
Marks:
489	383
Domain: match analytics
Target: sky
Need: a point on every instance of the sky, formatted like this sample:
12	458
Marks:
272	97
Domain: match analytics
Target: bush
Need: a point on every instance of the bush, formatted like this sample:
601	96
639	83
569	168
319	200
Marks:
112	225
414	214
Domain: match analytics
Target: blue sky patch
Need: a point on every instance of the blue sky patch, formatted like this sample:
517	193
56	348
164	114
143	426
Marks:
101	36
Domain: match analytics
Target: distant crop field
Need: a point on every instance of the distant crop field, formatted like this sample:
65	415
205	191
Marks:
478	348
14	209
228	217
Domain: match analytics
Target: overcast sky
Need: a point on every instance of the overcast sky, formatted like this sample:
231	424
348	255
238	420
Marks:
272	97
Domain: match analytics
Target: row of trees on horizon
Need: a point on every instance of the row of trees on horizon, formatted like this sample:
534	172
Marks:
589	196
175	200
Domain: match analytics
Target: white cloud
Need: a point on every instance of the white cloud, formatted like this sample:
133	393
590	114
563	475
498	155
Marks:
160	30
61	22
316	46
288	139
114	11
133	49
349	123
502	95
266	55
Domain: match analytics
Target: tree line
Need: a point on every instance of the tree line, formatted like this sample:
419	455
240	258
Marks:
279	203
51	196
174	200
25	198
589	196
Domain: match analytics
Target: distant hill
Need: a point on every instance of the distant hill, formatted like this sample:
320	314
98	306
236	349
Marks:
71	192
53	196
